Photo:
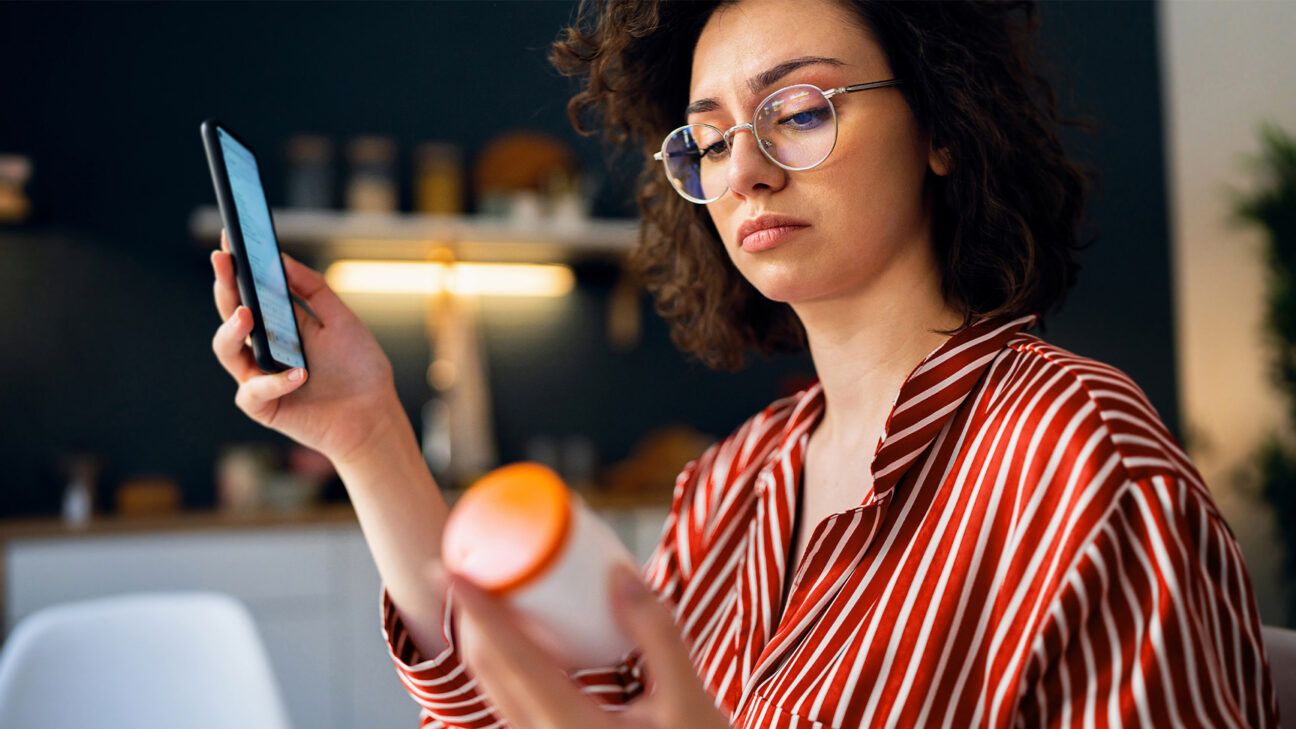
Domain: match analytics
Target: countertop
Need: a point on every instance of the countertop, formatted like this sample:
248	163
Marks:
313	516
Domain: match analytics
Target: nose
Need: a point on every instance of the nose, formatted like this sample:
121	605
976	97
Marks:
750	171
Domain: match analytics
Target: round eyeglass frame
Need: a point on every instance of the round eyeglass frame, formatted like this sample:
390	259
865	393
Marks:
761	143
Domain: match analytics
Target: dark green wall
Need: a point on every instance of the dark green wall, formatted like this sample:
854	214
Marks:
105	305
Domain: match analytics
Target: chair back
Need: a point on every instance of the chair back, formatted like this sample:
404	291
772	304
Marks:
139	661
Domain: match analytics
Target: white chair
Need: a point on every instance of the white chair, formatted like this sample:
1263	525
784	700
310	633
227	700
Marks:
140	661
1280	647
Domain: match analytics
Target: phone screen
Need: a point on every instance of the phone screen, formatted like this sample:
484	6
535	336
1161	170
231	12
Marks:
262	251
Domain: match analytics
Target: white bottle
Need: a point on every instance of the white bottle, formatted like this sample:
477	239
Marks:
78	495
520	534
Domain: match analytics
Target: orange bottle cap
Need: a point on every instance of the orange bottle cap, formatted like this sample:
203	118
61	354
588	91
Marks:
508	527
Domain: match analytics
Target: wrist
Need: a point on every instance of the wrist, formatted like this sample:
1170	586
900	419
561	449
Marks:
387	432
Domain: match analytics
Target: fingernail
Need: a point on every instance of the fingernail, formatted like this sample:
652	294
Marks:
295	374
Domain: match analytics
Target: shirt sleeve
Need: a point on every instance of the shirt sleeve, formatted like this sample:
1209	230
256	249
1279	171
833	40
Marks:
1154	624
445	690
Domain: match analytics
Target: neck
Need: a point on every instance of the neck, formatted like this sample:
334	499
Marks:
865	344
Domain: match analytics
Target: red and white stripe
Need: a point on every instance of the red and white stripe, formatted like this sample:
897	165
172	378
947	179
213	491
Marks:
1036	549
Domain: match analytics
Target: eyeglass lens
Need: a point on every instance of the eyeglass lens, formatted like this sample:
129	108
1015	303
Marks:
797	128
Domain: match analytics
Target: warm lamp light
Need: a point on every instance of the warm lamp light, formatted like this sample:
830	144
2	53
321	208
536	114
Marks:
417	277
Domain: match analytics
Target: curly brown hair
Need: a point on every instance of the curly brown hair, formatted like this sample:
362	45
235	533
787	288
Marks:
1007	218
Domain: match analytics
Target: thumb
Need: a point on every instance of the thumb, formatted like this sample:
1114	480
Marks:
652	627
259	394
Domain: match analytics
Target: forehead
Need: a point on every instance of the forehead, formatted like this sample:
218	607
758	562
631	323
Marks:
740	41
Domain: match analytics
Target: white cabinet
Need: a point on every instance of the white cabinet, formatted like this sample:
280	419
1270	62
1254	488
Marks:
257	566
288	578
312	589
373	695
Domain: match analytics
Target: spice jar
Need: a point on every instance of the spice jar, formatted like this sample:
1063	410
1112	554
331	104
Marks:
310	172
371	187
438	187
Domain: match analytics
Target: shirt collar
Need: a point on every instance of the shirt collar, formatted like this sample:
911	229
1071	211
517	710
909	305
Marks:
930	395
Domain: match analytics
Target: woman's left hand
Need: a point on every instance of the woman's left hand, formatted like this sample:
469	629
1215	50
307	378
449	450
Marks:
529	689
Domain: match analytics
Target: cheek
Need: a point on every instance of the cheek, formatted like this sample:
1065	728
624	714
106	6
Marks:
726	217
880	148
870	190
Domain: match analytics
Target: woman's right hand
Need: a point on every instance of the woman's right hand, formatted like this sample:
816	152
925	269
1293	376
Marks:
350	388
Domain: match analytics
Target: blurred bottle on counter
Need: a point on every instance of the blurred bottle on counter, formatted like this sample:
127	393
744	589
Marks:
15	170
310	172
543	448
573	457
300	486
149	494
242	472
438	181
580	462
371	184
82	473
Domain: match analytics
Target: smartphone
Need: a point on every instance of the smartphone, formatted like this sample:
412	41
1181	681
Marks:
258	266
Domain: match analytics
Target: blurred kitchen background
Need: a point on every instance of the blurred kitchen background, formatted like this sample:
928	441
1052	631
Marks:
420	133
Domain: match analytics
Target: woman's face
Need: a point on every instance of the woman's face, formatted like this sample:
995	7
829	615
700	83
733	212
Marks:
864	204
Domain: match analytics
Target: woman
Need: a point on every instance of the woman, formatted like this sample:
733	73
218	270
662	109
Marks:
957	524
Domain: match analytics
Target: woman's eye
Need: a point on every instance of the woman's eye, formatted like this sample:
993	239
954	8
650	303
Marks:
803	120
714	150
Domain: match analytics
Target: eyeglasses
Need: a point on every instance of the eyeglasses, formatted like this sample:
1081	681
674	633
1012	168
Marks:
795	127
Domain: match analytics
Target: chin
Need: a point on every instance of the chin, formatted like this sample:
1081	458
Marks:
806	283
786	287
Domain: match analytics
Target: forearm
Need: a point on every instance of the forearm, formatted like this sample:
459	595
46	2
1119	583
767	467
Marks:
402	514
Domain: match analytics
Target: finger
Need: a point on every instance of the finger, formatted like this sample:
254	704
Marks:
225	291
224	288
523	680
311	286
305	279
650	625
259	396
231	351
306	318
504	689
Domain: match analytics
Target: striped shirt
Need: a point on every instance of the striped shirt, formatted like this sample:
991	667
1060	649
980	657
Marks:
1035	550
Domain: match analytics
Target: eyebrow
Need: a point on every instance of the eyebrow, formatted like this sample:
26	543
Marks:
764	79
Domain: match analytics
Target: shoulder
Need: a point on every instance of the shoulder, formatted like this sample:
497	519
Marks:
1081	406
1100	478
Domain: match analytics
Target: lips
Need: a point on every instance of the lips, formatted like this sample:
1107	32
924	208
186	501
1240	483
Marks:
770	221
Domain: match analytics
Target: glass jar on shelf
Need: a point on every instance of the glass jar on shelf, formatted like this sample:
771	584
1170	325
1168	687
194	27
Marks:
438	179
371	186
310	172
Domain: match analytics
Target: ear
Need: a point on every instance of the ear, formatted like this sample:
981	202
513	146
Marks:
939	161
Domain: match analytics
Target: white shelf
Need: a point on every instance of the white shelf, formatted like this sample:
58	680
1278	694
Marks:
337	234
